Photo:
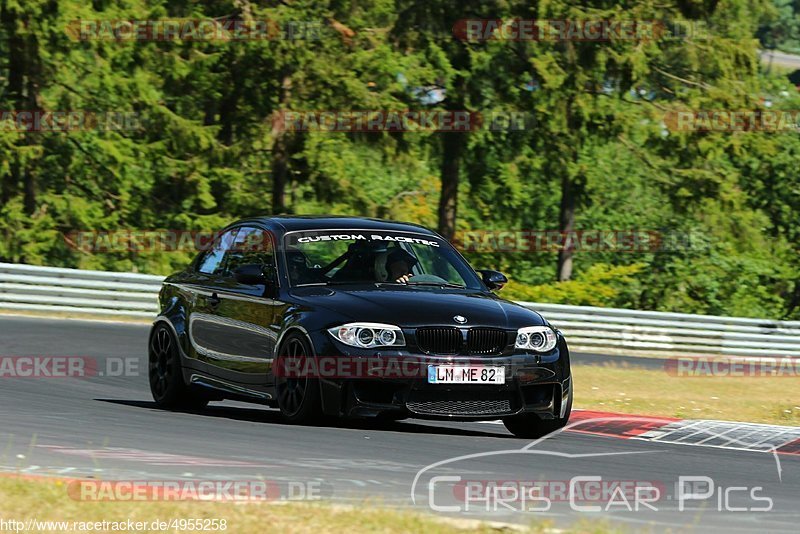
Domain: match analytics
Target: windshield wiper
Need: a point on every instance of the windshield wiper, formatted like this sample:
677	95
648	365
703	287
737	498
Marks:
367	282
348	282
333	283
436	284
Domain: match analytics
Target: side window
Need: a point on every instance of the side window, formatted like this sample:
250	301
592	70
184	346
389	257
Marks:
251	245
212	261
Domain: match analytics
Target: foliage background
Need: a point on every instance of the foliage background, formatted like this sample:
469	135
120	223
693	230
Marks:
207	153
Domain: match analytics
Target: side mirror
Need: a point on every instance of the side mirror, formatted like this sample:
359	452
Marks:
494	280
250	274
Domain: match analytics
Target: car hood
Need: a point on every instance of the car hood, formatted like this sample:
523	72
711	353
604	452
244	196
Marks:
412	307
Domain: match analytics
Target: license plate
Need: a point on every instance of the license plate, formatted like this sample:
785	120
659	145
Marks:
465	374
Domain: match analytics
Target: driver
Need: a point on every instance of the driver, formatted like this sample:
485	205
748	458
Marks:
373	261
399	263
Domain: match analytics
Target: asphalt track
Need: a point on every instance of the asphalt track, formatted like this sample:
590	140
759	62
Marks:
107	427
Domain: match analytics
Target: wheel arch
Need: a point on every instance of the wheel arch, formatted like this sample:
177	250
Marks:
294	328
174	315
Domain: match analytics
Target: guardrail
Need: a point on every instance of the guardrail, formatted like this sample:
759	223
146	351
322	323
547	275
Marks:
100	293
590	327
33	288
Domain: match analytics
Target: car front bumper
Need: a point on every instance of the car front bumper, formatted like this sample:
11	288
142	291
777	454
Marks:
537	384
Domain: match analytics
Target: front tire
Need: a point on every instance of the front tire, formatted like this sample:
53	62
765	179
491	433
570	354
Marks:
166	373
530	426
298	394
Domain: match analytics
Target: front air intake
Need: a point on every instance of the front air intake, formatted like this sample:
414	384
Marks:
486	341
440	340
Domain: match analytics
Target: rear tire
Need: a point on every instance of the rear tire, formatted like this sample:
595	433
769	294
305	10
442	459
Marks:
166	373
530	426
299	396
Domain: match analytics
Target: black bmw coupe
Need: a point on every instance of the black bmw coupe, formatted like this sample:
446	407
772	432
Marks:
358	317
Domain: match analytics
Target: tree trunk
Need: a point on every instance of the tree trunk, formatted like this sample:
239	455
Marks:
280	171
571	185
794	300
28	174
280	153
23	93
566	224
16	84
453	148
229	103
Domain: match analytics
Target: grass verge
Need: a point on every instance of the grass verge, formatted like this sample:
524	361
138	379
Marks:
623	389
44	499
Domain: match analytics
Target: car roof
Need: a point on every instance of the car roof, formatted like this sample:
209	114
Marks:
291	223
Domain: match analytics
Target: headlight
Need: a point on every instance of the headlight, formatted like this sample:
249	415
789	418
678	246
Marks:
368	335
536	338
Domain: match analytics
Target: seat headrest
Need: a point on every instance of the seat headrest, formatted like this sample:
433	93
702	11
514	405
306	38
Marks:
381	273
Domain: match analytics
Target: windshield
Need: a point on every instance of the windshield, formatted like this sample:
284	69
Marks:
369	257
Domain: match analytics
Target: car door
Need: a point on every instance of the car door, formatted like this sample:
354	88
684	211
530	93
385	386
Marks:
241	316
205	331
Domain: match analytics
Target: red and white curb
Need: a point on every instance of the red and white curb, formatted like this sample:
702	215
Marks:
698	432
728	435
